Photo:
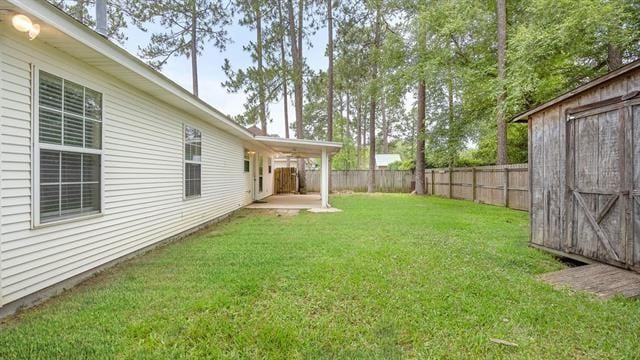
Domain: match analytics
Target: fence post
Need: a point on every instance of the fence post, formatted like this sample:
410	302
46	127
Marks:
473	184
506	186
433	182
450	182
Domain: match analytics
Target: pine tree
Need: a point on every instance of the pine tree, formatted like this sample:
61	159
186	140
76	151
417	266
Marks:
188	26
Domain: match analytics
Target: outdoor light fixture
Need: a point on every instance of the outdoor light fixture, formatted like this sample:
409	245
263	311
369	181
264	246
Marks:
23	24
34	31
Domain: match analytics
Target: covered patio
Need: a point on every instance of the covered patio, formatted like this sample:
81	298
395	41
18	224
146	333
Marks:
296	148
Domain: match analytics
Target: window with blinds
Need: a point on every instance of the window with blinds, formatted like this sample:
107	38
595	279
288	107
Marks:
247	161
192	162
69	149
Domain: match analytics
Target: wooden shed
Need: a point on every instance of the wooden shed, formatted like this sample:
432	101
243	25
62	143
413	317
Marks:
584	161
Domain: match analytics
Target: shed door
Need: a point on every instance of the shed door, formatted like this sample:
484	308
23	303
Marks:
597	195
636	183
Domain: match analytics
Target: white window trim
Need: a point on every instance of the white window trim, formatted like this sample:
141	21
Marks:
260	160
36	146
184	162
246	157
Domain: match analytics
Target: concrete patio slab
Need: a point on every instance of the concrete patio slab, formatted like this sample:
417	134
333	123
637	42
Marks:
324	210
311	202
289	201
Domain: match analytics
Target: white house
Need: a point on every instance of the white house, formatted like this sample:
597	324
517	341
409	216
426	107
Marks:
384	160
102	156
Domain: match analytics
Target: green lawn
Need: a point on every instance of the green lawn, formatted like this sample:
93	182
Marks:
392	276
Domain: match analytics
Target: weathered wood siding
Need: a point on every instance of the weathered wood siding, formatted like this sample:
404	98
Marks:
636	185
593	160
143	168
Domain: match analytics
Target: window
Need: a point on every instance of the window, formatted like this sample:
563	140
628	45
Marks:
270	164
260	172
192	162
68	150
247	161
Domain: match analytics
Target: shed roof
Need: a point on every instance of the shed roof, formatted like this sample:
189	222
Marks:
522	117
386	159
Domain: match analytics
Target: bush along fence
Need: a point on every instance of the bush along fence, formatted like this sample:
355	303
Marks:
504	185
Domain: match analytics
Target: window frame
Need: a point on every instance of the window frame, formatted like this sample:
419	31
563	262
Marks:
185	162
246	162
36	221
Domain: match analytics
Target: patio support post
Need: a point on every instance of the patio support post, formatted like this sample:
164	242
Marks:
324	187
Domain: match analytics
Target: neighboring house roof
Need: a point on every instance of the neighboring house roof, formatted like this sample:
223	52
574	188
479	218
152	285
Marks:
62	31
256	131
386	159
522	117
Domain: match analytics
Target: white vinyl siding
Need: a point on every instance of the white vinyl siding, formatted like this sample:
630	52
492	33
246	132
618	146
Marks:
142	174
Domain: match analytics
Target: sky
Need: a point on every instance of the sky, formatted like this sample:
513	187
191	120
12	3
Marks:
211	75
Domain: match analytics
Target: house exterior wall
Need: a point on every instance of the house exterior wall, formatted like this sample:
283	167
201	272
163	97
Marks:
142	201
550	200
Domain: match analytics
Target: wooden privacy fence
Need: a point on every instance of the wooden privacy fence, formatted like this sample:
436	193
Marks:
284	180
505	185
357	180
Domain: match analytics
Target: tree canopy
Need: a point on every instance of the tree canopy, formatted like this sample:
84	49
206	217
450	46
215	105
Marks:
458	69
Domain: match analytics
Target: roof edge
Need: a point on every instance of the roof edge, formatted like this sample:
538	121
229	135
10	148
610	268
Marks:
68	25
322	143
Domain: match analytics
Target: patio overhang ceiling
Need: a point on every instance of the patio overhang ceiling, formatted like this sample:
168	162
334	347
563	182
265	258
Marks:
299	148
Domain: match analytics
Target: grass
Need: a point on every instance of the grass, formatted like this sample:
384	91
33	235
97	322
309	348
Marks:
392	276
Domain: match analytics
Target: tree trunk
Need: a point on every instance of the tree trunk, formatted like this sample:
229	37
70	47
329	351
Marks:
385	126
330	79
348	117
285	78
330	71
365	126
372	107
262	111
614	57
296	53
452	137
420	137
502	95
358	133
194	49
300	30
